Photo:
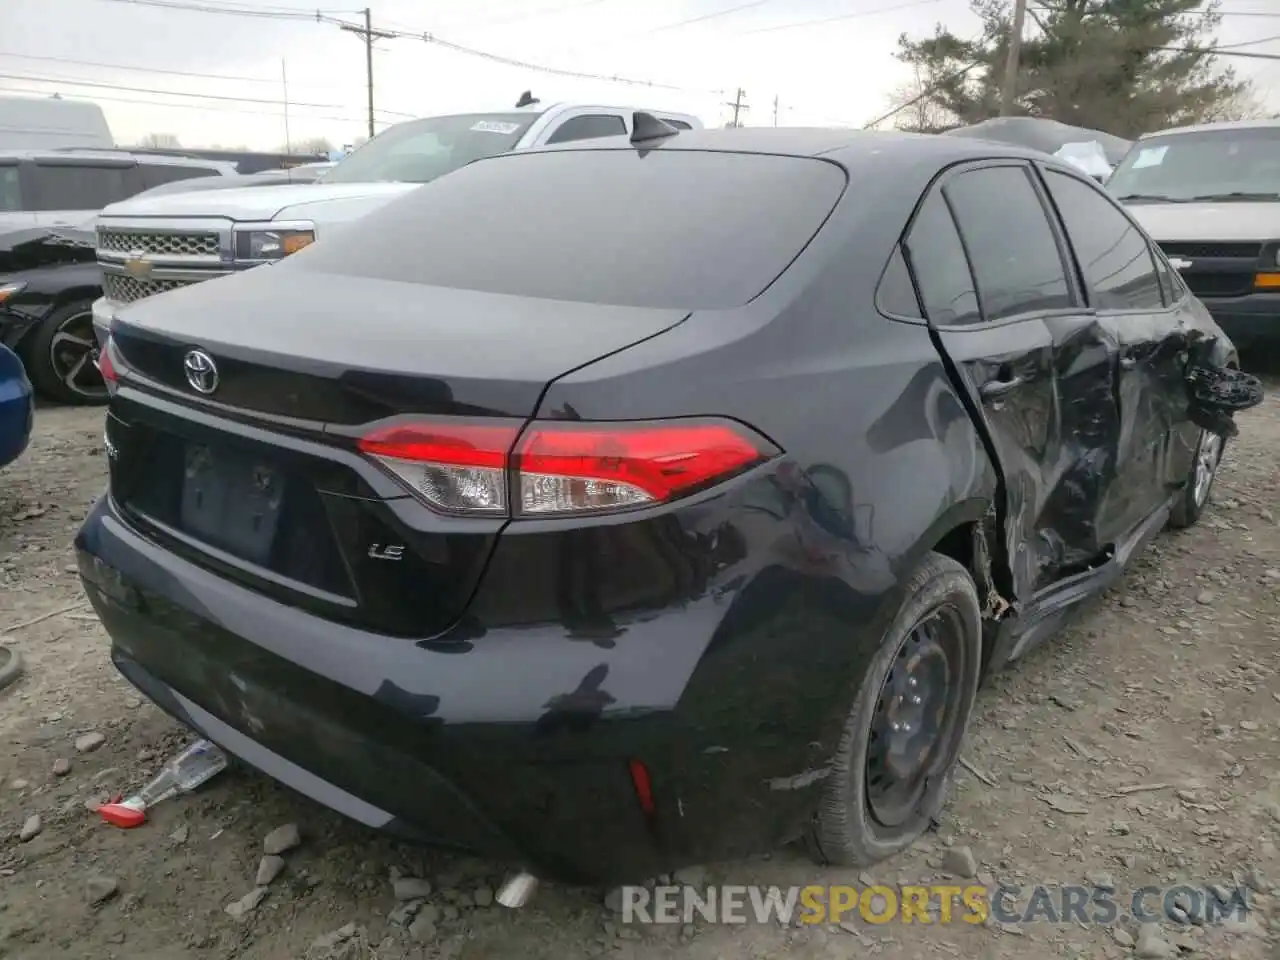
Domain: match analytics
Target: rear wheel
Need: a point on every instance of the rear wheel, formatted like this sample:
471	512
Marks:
1204	470
902	739
59	356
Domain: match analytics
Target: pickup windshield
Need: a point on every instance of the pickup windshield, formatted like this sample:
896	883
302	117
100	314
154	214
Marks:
1212	166
421	150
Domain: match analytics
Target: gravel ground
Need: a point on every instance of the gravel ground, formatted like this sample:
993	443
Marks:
1142	745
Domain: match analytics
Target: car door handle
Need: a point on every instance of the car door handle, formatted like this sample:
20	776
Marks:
998	388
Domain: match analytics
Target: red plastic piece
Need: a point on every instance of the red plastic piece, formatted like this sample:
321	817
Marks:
122	815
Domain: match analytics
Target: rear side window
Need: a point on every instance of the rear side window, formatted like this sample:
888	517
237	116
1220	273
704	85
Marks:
81	186
1015	257
658	228
895	295
1113	256
940	267
10	190
588	128
154	174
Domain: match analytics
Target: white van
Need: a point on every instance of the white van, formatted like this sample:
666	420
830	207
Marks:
52	123
1209	195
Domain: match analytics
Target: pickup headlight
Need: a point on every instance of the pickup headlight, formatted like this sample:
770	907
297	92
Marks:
261	243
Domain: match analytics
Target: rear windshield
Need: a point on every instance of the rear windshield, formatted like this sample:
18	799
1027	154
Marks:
421	150
661	228
1220	165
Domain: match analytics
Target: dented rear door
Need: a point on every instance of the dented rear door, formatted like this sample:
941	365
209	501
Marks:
1121	280
1037	365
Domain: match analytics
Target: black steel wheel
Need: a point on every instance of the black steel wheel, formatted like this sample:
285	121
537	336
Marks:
890	775
59	356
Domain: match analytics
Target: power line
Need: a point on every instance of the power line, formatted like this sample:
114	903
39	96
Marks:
189	106
844	16
320	16
71	81
709	16
269	13
177	73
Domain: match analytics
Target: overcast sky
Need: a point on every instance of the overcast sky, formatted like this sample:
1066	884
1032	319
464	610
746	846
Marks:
827	61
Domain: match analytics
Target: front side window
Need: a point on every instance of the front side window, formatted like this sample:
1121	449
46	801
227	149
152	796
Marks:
421	150
1212	166
1113	256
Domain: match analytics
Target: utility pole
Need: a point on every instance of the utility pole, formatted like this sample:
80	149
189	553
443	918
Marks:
775	111
1009	87
739	107
284	83
368	34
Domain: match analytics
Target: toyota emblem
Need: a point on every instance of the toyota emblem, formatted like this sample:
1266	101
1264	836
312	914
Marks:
201	371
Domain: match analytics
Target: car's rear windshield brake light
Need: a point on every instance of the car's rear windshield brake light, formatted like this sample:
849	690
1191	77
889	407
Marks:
556	468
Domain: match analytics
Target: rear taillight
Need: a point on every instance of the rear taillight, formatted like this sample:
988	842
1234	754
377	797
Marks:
553	469
108	364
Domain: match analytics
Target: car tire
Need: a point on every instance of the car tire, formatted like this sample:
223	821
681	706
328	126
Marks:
1204	470
53	350
850	828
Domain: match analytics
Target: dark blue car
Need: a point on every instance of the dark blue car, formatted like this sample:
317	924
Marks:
17	407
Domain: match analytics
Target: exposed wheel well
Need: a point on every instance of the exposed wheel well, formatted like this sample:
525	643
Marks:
958	545
961	544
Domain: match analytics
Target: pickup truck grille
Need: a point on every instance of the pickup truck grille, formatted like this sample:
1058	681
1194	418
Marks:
156	243
123	289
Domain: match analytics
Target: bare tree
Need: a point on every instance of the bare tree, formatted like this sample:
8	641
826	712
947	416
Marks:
309	145
160	141
921	113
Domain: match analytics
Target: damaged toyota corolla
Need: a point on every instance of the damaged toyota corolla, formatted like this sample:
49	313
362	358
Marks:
624	505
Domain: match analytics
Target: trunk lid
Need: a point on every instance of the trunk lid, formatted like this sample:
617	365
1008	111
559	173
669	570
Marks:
346	350
258	479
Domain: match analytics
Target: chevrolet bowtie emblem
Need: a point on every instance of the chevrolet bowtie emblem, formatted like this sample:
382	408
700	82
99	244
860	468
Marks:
137	265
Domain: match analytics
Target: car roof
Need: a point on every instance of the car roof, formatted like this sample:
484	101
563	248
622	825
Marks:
849	148
1270	123
69	157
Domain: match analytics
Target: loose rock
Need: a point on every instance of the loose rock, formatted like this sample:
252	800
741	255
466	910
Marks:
61	767
691	876
422	930
410	888
281	840
960	862
483	897
1151	943
246	904
100	889
31	828
89	742
269	868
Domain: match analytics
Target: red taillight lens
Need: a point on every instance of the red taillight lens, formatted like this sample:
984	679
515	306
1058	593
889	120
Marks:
107	364
556	468
572	467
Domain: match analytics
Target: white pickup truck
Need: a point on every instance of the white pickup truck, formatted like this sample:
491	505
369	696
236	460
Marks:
148	245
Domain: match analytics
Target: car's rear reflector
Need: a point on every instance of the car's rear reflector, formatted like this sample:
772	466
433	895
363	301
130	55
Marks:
554	468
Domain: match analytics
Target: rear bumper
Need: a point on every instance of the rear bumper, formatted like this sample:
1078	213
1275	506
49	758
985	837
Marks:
508	746
1251	319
